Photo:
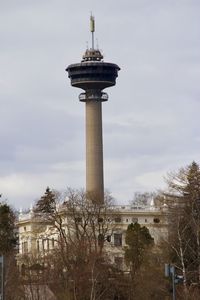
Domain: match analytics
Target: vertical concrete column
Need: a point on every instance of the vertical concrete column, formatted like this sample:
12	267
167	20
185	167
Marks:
94	151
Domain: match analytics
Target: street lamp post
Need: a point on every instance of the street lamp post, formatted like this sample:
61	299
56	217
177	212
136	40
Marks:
170	271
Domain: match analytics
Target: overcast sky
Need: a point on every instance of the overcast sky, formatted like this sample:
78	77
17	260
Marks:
151	121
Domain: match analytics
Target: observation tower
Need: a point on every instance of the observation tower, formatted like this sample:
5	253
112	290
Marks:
93	75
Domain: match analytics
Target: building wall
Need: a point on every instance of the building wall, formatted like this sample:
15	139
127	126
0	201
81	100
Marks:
37	236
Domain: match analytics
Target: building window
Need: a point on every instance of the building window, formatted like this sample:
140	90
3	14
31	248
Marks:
117	239
145	220
108	238
118	220
119	262
38	246
24	247
43	244
100	220
156	220
24	228
48	245
52	242
127	220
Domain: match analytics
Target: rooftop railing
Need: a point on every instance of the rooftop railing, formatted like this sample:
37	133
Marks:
98	97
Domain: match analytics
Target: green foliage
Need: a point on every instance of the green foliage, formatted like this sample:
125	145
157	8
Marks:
138	240
47	203
191	191
8	238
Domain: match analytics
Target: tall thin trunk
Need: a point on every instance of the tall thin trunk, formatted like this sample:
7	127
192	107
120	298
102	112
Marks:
183	265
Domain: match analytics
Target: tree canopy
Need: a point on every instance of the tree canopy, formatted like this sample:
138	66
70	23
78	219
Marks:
8	237
138	239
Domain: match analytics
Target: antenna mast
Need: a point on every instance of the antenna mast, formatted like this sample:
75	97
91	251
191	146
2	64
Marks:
92	29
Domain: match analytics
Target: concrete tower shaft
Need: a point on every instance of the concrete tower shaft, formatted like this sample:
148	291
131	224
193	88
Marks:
94	150
93	75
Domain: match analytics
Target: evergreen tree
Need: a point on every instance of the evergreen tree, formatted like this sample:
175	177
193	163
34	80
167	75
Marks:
138	240
47	203
8	242
8	237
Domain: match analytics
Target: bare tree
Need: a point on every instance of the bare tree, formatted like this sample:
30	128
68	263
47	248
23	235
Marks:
83	228
142	199
183	198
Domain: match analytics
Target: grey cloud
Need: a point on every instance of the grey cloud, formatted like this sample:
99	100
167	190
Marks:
151	118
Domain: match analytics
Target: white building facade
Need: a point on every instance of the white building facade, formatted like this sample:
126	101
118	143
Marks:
38	236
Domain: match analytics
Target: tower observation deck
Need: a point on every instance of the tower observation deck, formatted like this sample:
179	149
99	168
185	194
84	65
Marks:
93	75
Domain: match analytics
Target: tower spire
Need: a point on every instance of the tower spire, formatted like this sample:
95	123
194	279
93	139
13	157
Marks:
92	28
